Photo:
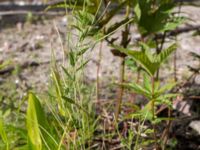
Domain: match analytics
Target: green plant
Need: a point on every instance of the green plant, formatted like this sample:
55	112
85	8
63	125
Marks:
65	118
150	89
4	135
93	21
152	18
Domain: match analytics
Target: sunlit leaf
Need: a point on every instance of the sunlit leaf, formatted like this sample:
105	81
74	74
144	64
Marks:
34	114
3	134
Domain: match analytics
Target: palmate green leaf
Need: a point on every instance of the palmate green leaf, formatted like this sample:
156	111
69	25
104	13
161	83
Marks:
146	59
142	58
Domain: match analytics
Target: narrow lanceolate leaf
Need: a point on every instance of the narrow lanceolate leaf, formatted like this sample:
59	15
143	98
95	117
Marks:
67	73
137	89
34	113
3	134
82	65
146	112
37	126
165	88
137	9
72	58
166	53
59	90
82	51
71	101
147	83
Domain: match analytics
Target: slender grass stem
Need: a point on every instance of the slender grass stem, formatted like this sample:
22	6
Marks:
121	89
98	71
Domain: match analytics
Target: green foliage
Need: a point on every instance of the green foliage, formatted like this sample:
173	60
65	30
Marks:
4	64
155	16
33	112
91	17
3	134
37	126
156	94
150	62
65	117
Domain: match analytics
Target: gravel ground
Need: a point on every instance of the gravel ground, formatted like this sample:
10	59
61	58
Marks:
34	42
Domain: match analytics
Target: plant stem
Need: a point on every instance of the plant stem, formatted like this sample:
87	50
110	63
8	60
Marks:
175	67
152	106
165	134
153	111
98	70
121	89
159	49
138	76
124	42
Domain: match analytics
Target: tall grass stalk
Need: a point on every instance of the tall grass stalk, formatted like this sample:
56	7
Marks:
98	72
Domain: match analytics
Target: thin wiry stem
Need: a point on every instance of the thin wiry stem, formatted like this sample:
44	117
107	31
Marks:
121	89
159	49
124	42
98	71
